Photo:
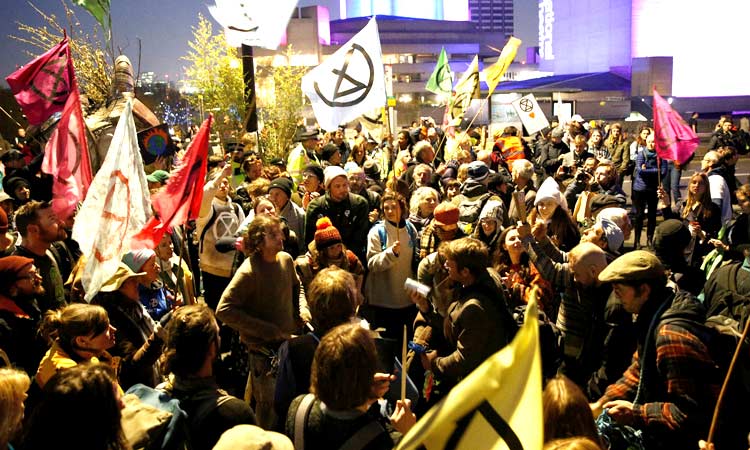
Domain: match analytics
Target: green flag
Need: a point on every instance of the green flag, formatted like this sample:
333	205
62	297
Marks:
98	8
441	80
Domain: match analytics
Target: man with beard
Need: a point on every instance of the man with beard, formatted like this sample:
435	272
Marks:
20	284
39	227
348	212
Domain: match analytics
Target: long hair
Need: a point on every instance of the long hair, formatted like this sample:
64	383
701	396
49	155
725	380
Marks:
79	409
69	322
502	261
13	385
703	200
561	228
566	411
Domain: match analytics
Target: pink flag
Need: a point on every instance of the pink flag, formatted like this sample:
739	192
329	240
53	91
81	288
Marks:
66	156
42	86
674	139
180	200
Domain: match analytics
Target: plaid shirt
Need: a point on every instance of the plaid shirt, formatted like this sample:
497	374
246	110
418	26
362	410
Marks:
682	361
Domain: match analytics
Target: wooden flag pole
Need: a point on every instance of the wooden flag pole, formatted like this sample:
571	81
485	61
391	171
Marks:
403	368
726	382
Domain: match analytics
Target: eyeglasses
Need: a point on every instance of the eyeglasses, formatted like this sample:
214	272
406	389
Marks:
33	274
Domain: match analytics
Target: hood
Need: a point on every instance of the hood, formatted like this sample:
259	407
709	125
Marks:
472	188
685	306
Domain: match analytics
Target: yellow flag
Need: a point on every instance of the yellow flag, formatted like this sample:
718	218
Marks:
498	406
466	89
495	72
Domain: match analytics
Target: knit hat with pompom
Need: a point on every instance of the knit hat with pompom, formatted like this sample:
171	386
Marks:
326	234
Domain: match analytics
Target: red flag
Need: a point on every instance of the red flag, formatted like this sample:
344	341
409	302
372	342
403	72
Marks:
66	158
42	86
673	138
66	155
181	198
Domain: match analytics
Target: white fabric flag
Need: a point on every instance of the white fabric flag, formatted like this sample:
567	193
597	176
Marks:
530	113
116	207
350	82
253	22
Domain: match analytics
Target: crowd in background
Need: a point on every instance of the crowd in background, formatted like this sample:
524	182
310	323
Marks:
274	318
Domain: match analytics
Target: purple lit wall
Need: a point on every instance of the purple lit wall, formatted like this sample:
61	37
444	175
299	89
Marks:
707	40
421	9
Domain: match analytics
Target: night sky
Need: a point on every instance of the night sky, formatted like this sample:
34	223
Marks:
164	27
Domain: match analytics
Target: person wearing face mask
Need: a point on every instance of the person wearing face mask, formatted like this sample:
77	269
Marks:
77	334
550	209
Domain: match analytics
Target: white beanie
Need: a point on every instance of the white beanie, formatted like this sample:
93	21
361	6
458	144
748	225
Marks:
332	172
550	190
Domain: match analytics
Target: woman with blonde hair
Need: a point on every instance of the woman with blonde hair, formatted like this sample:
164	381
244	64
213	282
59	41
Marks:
13	386
702	216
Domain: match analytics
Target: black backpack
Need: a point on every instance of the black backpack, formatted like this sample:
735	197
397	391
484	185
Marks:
726	316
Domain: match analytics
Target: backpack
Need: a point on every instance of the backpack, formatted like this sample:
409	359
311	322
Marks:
358	441
413	240
152	419
469	211
726	316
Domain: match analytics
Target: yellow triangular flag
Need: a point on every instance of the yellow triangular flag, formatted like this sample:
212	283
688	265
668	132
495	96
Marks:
495	72
466	89
498	406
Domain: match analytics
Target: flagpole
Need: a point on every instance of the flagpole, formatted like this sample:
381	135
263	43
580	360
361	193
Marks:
21	126
726	382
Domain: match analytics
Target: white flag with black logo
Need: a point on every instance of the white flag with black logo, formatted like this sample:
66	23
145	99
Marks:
350	82
253	22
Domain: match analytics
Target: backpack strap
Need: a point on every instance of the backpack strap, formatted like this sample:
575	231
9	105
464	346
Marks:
300	420
412	234
363	436
208	225
380	227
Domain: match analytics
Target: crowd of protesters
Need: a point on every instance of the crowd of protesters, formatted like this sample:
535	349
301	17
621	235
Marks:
273	320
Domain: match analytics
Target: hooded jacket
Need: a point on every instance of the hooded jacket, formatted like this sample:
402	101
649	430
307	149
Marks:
672	380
